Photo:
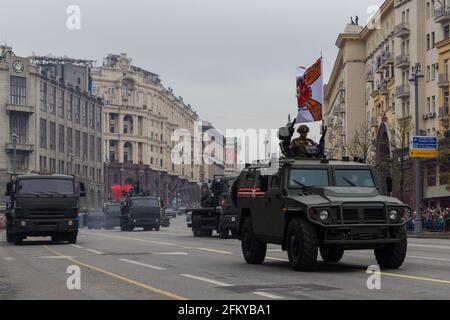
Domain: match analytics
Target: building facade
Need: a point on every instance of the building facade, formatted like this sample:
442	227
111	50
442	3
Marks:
140	116
56	123
401	34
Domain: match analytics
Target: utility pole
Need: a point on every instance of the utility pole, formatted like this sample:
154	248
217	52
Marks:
416	76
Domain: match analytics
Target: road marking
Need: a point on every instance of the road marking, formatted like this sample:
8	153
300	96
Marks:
428	258
122	278
396	275
216	251
429	246
8	259
267	295
274	250
75	246
171	253
277	259
217	283
143	264
55	257
95	251
135	239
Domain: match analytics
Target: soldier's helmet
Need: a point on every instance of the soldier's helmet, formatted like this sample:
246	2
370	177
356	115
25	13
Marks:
303	129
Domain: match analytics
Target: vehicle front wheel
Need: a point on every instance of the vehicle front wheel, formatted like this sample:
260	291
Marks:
157	228
223	233
17	239
195	227
393	255
302	245
254	251
72	238
332	254
9	235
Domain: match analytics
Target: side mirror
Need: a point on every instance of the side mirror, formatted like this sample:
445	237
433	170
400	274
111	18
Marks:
9	189
389	184
82	190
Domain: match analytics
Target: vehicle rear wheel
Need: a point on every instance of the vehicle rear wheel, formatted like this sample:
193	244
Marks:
302	245
234	233
254	251
393	255
56	238
157	228
205	233
131	229
17	239
123	228
332	254
148	228
195	227
223	233
9	235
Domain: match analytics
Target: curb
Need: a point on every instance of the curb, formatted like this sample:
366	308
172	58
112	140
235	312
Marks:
430	235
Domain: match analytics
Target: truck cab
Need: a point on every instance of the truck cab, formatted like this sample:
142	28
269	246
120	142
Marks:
43	205
142	212
313	205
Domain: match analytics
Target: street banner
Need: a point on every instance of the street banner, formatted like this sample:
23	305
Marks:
310	93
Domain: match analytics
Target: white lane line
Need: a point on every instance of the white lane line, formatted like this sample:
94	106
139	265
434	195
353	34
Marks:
267	295
171	253
8	259
428	258
94	251
56	257
428	246
143	264
76	246
215	251
217	283
277	259
274	250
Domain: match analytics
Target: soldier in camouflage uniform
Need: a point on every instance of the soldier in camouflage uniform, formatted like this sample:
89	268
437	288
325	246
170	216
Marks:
298	145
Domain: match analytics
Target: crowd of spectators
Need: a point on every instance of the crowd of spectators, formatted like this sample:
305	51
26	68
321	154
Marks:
434	219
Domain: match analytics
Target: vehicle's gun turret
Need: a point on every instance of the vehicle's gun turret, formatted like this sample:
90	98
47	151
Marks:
285	135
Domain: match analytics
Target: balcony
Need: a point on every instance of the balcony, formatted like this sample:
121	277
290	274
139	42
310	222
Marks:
444	113
405	122
429	115
402	30
442	15
20	147
402	61
443	81
402	92
387	61
16	108
382	88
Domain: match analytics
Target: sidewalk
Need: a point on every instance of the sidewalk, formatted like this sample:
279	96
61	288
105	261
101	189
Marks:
430	235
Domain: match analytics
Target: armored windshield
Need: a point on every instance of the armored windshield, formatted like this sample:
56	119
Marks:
354	178
308	178
45	186
145	203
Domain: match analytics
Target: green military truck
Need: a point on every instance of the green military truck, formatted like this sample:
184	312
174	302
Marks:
112	212
142	212
41	206
312	205
217	212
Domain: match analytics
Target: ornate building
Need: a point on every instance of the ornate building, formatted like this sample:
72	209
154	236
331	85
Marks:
140	116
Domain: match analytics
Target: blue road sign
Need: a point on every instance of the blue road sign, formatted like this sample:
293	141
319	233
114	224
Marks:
424	143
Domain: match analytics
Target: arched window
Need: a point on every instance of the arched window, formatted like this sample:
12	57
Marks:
128	125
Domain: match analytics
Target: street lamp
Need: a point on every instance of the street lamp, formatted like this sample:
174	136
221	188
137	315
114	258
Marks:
122	176
416	76
14	137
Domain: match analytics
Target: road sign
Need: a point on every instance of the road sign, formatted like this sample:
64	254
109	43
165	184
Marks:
423	147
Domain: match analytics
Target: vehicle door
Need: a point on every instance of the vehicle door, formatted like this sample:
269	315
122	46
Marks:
261	220
273	207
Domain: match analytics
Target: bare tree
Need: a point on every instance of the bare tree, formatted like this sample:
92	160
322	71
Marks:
362	143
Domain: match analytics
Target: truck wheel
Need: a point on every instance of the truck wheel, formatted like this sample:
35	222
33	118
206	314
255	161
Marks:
72	238
332	254
17	239
254	251
195	227
130	229
56	238
9	235
123	228
234	233
205	233
302	245
223	233
393	255
148	228
157	228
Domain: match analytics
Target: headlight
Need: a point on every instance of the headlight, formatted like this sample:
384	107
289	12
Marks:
323	215
393	215
233	219
23	223
70	223
157	220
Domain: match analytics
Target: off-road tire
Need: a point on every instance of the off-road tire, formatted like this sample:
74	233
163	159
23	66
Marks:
157	228
72	238
17	239
234	233
254	251
393	255
195	227
57	238
302	245
223	233
205	233
148	228
9	235
332	254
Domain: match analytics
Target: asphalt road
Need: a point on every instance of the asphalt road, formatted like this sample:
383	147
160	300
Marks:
172	264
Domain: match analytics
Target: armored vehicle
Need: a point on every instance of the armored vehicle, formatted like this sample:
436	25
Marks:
112	215
43	205
142	212
218	212
309	204
95	219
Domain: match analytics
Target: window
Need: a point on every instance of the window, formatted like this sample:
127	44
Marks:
433	40
300	178
61	138
433	104
354	178
428	104
428	42
92	148
85	146
91	115
112	123
84	113
99	149
433	72
69	107
18	94
69	140
77	143
18	124
78	110
52	136
98	118
61	104
428	73
43	96
43	133
112	150
52	100
428	10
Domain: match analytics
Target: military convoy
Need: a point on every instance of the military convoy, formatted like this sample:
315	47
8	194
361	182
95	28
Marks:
311	204
43	205
217	213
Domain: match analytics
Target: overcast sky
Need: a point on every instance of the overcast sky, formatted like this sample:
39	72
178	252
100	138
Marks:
232	60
